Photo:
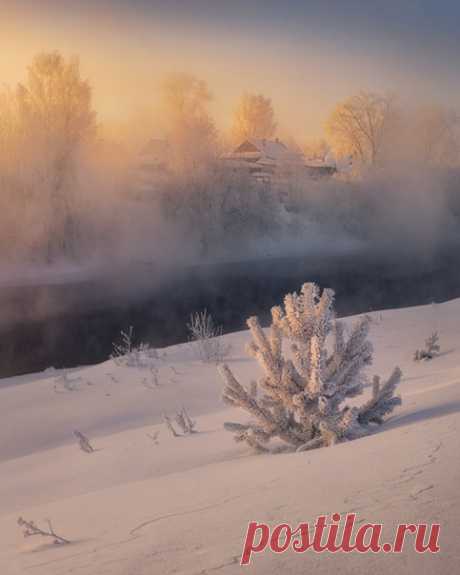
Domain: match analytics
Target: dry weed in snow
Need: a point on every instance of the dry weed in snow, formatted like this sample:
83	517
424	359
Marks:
30	529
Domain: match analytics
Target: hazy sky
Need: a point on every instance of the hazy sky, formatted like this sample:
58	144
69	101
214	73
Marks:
305	54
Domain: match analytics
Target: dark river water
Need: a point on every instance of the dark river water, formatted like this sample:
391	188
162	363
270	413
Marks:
74	323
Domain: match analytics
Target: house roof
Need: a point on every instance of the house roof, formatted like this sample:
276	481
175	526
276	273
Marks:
319	164
269	149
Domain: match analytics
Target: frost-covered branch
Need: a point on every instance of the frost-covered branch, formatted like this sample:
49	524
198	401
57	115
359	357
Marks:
383	400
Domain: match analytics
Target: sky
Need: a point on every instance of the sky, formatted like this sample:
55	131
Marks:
305	55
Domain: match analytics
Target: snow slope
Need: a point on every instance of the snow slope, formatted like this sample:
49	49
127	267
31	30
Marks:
135	508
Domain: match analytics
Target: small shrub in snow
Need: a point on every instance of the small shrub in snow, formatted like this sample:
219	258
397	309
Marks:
206	338
83	442
299	399
142	356
125	345
431	349
64	383
30	529
126	353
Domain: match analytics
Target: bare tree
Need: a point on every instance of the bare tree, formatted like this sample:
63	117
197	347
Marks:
254	118
357	126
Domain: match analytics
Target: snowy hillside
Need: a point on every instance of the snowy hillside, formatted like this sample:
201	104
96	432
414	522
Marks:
145	504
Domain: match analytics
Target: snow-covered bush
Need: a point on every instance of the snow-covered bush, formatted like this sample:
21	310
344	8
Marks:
65	383
300	397
431	349
206	338
125	352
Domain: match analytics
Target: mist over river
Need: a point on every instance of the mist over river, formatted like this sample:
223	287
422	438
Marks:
75	321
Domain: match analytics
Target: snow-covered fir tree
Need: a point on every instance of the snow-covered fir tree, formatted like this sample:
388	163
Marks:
300	398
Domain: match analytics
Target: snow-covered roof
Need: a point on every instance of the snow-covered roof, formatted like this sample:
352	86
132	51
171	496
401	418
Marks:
265	161
269	149
272	148
319	164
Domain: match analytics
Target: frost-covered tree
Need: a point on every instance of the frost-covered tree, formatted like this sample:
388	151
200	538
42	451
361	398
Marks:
254	118
188	123
56	108
221	212
46	126
300	397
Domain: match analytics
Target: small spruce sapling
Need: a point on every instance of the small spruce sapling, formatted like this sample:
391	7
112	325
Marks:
300	397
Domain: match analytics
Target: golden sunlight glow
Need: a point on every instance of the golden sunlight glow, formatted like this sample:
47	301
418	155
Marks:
125	61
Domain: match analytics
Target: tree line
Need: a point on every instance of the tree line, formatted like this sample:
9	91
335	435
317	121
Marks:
60	178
